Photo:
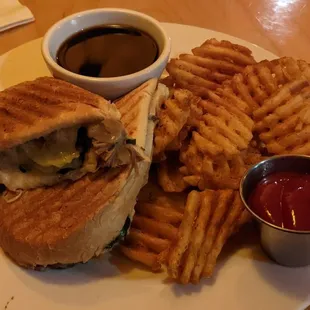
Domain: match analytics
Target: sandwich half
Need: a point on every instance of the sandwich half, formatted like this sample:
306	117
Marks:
73	221
52	131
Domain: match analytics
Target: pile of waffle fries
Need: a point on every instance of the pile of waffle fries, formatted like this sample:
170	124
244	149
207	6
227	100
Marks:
225	113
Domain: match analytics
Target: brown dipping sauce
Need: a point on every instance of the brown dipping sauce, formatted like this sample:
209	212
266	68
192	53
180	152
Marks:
108	51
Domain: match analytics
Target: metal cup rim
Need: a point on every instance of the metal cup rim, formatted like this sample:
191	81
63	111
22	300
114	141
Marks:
257	217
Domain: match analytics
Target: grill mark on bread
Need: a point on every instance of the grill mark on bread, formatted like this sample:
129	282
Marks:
14	113
130	123
60	88
5	114
39	94
38	211
129	97
55	214
29	107
69	220
130	104
73	96
42	234
33	109
32	210
40	102
21	212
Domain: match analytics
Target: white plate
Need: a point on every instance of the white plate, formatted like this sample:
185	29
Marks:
246	279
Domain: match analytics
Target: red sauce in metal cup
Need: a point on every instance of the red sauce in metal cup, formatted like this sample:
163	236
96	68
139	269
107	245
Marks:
283	199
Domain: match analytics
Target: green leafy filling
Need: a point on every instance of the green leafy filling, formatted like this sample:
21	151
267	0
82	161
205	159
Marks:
122	234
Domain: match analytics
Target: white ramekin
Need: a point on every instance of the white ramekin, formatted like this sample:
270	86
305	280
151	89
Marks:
114	87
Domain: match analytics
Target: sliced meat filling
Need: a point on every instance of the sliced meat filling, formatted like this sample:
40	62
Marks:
67	154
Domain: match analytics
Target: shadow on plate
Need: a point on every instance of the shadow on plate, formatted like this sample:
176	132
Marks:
102	280
106	266
100	268
289	281
293	281
180	290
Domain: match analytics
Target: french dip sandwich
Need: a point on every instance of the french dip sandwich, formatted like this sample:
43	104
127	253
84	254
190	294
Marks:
62	220
52	131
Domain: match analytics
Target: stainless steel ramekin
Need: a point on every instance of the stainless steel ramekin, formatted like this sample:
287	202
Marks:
286	247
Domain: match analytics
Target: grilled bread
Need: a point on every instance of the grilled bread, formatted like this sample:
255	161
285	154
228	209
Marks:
34	109
72	222
52	131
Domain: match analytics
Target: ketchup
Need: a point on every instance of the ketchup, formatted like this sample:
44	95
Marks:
283	199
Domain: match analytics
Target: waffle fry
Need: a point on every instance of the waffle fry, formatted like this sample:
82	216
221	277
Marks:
192	180
142	256
184	234
193	120
215	69
224	126
192	77
209	66
169	177
159	213
222	173
258	82
237	54
222	134
172	116
147	240
176	144
197	236
224	233
154	227
152	193
228	126
223	201
247	110
245	217
156	244
283	120
196	110
287	69
225	98
191	156
210	218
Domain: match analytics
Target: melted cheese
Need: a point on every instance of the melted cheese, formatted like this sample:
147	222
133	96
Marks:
57	149
13	179
41	158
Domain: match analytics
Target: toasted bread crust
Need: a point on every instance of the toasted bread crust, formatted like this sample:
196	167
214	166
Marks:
138	103
73	222
34	109
54	225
